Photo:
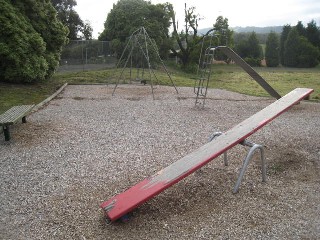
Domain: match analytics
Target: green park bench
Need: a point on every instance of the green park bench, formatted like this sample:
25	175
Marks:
12	116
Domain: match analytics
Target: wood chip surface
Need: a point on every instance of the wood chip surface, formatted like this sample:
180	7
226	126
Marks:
86	145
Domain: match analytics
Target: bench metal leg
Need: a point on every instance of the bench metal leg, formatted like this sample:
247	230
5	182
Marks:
24	119
6	133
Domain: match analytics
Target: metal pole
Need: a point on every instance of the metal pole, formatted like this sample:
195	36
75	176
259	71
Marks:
86	55
225	156
253	148
164	66
246	163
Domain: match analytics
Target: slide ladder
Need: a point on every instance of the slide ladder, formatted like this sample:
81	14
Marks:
204	73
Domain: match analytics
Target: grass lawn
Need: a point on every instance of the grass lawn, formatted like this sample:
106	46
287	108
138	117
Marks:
229	77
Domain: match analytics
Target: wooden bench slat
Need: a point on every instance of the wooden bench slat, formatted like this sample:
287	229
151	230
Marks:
15	113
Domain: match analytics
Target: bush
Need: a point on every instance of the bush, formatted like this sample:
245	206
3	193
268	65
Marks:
190	68
253	62
308	54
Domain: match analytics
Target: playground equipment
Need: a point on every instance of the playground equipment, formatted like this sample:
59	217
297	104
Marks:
142	53
202	83
245	66
206	59
121	204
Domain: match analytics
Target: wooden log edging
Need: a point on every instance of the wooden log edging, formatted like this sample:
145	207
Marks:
47	100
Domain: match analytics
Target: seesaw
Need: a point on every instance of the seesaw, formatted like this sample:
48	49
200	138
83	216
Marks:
123	203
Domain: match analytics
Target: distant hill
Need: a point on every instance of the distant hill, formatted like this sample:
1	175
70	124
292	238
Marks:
277	29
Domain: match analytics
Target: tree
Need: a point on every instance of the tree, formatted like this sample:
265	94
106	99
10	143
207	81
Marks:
301	29
308	54
242	48
224	35
250	50
188	40
300	46
299	52
272	50
291	48
284	35
70	18
87	30
313	34
127	16
30	41
222	31
255	50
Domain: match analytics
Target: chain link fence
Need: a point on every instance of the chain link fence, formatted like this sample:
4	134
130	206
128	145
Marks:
85	55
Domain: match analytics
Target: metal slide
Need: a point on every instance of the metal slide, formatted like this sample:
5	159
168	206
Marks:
239	61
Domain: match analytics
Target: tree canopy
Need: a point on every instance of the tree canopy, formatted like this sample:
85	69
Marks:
30	41
284	35
272	50
313	34
127	16
250	50
78	29
299	45
222	31
184	42
187	39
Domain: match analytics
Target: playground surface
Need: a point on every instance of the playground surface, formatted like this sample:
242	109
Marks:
86	146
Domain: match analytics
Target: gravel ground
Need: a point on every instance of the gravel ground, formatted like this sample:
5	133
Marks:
85	146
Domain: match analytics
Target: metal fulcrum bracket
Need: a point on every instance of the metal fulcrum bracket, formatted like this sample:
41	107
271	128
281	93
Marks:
253	148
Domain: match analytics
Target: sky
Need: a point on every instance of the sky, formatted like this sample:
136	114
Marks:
241	13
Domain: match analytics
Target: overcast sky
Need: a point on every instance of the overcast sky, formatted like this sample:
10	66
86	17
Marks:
239	12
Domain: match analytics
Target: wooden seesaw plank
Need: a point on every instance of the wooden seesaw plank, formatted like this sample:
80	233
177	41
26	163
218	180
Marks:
125	202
